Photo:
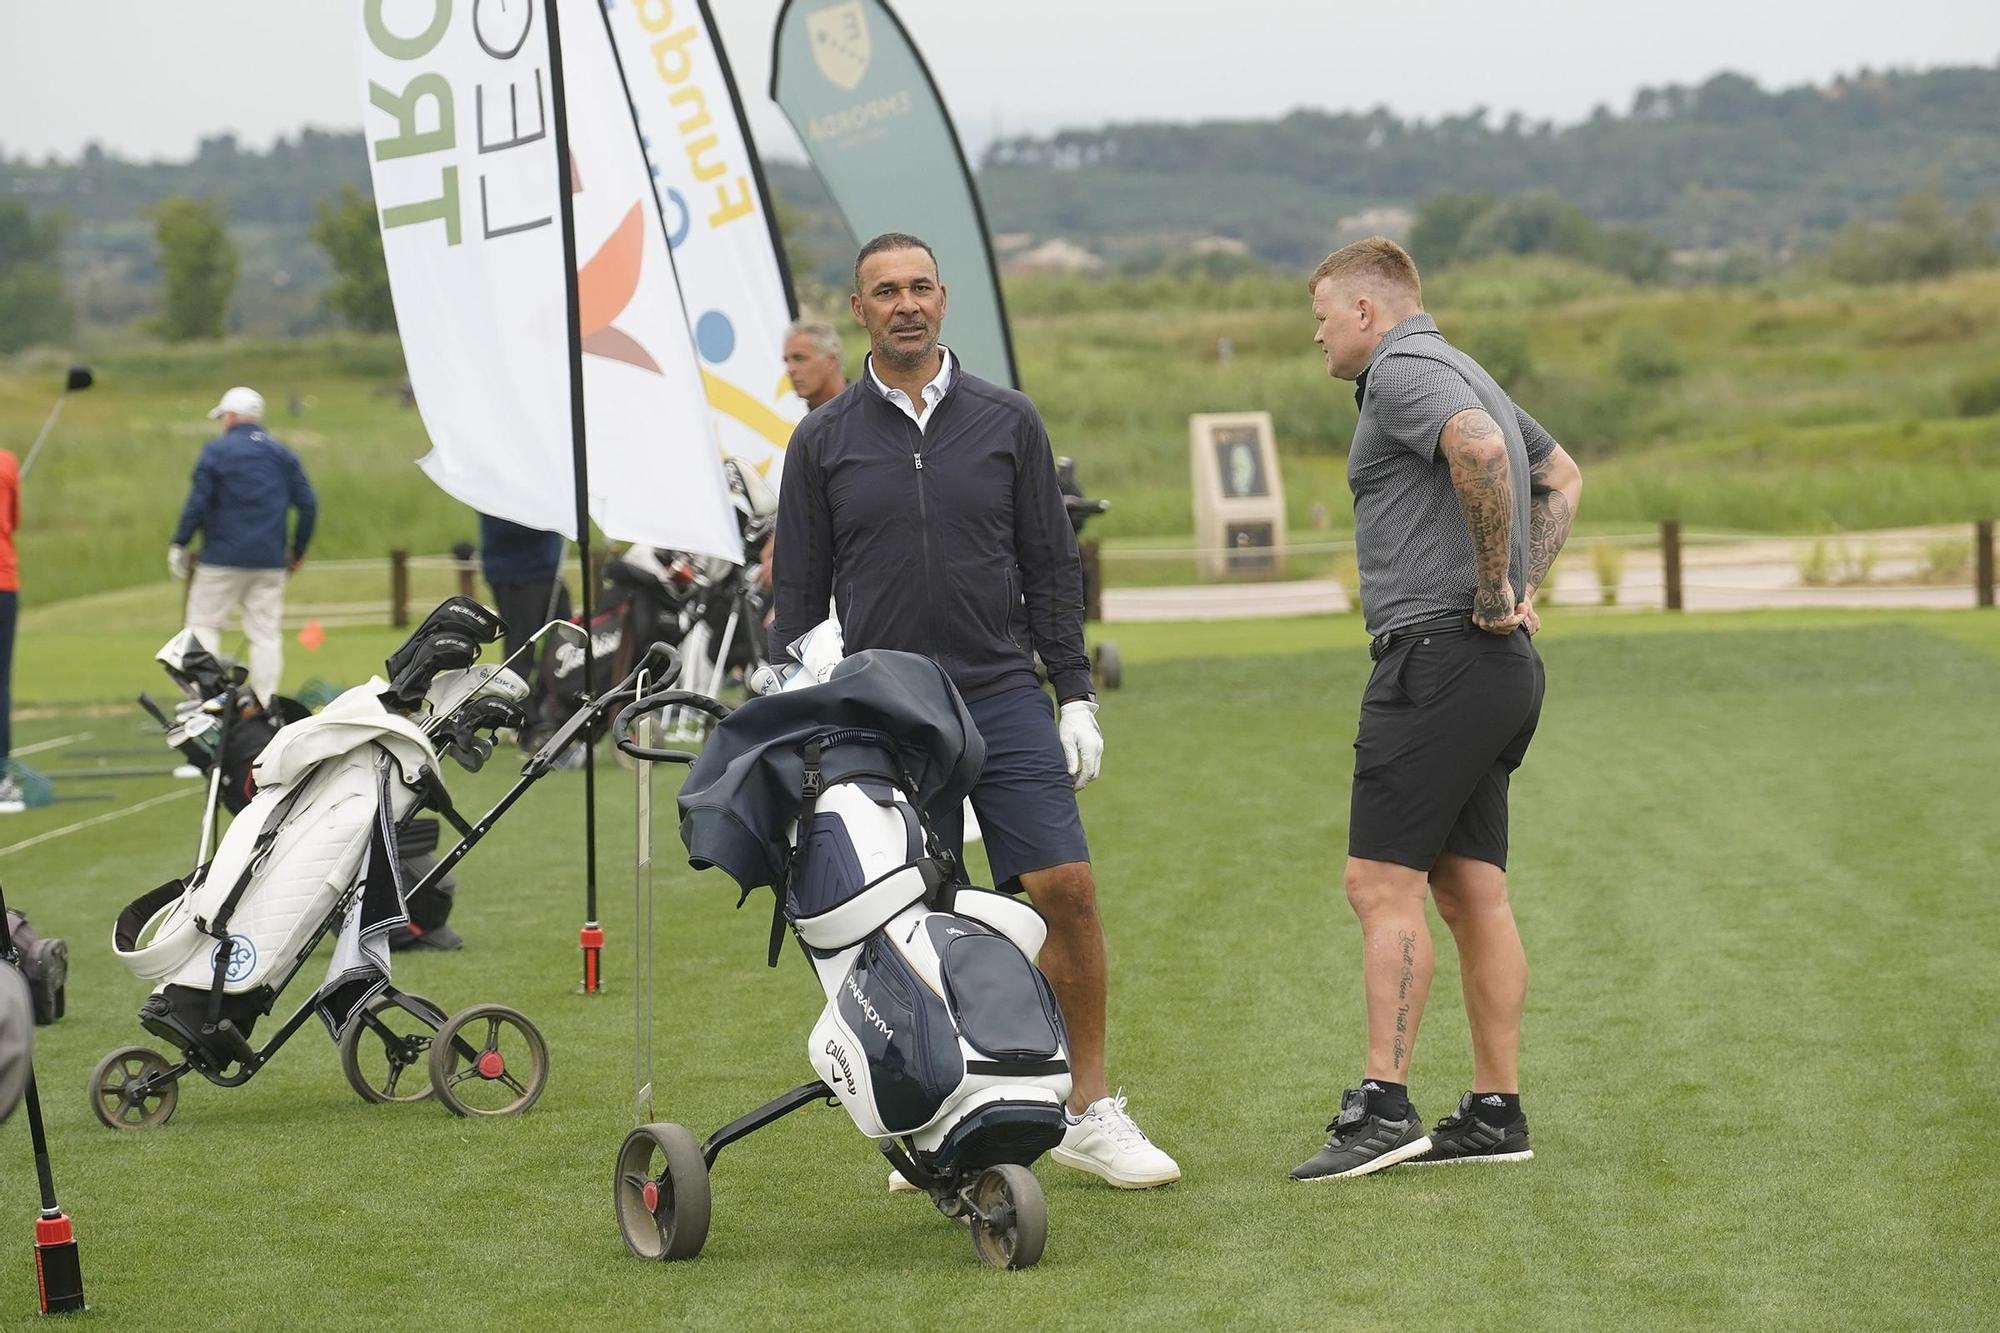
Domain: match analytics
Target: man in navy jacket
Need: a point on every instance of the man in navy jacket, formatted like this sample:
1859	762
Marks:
922	501
244	485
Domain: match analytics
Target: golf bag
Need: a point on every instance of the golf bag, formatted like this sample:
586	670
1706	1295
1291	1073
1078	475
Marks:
44	964
314	848
219	723
938	1028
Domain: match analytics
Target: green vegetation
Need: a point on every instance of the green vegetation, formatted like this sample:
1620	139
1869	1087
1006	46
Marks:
1752	868
198	266
1794	407
33	308
346	230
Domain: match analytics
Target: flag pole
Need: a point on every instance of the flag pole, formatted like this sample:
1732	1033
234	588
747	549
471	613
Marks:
591	938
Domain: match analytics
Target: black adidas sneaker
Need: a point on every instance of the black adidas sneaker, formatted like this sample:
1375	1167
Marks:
1360	1143
1463	1137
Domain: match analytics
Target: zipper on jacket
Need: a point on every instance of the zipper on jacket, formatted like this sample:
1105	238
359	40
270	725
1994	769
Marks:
924	539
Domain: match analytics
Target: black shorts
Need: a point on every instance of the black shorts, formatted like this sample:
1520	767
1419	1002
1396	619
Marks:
1023	800
1446	718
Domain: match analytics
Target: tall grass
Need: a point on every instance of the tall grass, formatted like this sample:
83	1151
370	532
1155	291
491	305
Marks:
1793	408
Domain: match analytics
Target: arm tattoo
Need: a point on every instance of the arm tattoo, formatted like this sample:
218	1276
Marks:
1486	497
1549	519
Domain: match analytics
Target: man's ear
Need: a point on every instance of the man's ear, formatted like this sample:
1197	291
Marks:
854	305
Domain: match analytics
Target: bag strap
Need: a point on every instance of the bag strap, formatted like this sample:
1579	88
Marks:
811	783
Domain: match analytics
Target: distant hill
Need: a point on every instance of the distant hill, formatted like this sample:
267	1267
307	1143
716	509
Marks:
1723	166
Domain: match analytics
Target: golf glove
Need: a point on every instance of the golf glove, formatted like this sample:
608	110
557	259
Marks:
177	561
1082	743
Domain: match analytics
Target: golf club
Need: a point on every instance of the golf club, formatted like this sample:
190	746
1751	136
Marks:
78	380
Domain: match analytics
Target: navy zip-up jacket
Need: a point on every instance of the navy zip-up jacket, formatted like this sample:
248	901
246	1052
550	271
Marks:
950	541
243	483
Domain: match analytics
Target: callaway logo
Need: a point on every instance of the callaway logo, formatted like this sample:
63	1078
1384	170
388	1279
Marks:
845	1070
868	1009
954	930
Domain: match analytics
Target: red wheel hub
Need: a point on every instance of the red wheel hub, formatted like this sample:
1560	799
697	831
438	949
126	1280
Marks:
651	1194
492	1064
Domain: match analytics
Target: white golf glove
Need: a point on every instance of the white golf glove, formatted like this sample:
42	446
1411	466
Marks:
177	561
1082	742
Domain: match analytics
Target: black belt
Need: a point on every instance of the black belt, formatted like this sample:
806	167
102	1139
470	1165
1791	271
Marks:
1382	643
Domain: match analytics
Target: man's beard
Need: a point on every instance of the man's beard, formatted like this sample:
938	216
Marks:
887	350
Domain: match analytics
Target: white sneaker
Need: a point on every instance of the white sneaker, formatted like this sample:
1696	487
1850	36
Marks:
898	1185
1106	1143
12	801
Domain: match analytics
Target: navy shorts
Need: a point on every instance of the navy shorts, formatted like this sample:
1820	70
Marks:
1024	802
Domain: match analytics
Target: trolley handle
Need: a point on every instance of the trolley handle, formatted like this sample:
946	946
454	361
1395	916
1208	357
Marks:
621	728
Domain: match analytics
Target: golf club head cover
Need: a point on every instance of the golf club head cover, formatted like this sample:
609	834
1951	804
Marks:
198	672
449	639
463	739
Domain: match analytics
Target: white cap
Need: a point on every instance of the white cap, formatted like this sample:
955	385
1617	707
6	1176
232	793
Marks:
243	402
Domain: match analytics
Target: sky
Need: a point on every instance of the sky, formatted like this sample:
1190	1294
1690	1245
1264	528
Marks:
148	79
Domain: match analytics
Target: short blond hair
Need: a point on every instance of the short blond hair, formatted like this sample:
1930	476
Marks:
1375	260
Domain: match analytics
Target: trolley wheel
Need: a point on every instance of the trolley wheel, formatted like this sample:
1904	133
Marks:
117	1098
1108	665
385	1051
489	1060
659	1190
1013	1220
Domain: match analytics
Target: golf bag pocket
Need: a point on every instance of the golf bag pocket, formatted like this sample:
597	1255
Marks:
934	1016
1003	1006
861	864
886	1044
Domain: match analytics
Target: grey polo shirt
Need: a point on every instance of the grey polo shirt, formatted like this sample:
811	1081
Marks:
1410	538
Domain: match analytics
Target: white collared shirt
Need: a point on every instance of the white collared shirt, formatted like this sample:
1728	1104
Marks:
932	392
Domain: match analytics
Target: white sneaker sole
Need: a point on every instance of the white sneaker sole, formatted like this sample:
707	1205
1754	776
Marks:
1082	1163
1493	1157
1382	1163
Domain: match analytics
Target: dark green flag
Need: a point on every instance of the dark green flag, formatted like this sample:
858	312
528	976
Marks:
850	80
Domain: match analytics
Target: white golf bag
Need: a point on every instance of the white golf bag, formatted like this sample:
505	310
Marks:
937	1026
315	848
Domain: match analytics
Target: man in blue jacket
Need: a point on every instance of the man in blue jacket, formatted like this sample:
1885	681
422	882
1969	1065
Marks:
243	486
923	502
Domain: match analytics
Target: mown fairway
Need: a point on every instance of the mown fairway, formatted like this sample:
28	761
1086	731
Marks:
1753	866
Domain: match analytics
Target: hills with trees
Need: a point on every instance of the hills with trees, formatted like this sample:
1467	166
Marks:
1875	172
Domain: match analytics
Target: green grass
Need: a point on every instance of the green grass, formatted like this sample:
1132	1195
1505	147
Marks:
1753	864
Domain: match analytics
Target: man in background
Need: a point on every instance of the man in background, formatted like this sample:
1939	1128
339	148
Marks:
812	361
244	485
523	566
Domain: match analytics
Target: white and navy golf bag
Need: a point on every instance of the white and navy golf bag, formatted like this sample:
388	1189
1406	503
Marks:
938	1028
314	850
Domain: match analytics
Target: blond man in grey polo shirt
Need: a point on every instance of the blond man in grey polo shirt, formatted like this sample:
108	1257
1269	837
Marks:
1461	502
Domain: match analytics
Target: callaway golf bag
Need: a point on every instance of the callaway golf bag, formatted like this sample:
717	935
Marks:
220	728
937	1025
940	1037
313	850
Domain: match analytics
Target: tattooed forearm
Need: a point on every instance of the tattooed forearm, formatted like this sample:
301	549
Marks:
1549	519
1475	451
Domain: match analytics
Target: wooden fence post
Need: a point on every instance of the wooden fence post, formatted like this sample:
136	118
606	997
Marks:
1093	581
1670	560
1982	562
399	587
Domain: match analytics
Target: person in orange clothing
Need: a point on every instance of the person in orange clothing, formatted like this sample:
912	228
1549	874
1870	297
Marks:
11	801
